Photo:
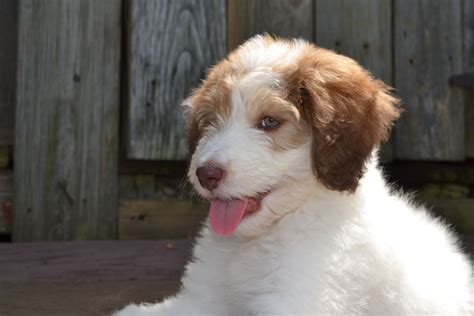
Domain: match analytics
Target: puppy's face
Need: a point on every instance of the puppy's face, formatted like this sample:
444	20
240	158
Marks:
275	121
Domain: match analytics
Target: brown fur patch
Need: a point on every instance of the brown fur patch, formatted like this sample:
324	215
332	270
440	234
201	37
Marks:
349	113
293	130
344	109
212	98
290	136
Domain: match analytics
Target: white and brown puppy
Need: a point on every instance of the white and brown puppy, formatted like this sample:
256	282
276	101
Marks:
283	138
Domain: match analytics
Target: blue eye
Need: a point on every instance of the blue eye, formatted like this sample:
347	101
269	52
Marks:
268	122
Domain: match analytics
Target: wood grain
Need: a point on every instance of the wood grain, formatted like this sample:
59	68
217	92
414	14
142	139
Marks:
6	198
419	172
361	30
94	278
5	156
171	44
67	120
88	278
428	49
149	186
279	17
468	27
160	218
8	38
456	212
6	182
156	207
85	298
469	123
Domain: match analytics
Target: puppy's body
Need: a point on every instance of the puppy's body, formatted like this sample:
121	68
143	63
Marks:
365	255
324	234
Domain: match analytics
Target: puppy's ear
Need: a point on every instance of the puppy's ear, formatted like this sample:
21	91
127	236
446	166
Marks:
349	113
192	125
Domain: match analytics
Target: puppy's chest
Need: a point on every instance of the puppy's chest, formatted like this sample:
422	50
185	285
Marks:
295	276
254	268
252	277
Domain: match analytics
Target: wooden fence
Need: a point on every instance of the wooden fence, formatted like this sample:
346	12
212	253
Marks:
414	46
92	77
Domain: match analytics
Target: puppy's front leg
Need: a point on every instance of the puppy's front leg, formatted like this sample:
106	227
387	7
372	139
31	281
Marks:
180	305
145	309
203	291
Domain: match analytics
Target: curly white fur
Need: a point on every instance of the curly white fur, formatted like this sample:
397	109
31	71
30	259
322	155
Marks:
311	250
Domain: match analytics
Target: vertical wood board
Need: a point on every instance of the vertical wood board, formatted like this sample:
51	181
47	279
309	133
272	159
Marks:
468	28
5	156
67	120
171	44
428	50
358	29
6	197
361	30
279	17
8	40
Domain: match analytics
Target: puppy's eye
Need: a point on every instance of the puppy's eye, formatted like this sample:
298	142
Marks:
268	122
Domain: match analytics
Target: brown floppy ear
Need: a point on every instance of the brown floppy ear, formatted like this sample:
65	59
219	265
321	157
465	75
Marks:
192	126
349	113
200	110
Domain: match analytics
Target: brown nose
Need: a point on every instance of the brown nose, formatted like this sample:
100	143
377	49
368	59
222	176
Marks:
209	176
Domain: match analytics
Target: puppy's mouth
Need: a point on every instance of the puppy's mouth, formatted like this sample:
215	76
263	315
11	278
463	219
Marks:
226	215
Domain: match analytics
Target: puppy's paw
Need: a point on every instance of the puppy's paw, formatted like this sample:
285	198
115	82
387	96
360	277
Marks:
137	310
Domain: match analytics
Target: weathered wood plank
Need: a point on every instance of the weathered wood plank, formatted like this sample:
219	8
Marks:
469	121
468	27
94	278
6	199
464	80
279	17
67	120
5	156
160	218
415	172
6	182
86	298
428	49
154	207
172	169
361	30
88	278
138	187
149	186
171	44
122	260
457	212
444	191
8	38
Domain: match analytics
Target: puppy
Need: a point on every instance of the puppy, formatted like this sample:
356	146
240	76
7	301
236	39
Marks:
283	138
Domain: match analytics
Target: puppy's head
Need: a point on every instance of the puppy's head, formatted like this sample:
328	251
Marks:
277	120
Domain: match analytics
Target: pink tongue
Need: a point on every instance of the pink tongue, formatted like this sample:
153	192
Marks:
225	216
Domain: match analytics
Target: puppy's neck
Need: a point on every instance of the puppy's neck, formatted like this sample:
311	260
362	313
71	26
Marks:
328	207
